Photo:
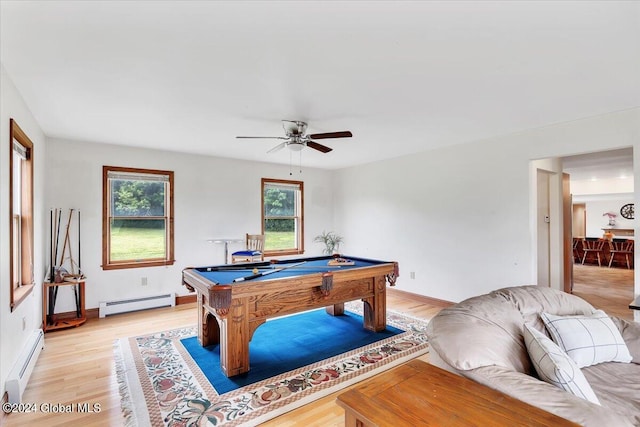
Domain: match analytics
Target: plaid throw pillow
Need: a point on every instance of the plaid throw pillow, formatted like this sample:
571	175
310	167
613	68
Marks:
588	340
555	367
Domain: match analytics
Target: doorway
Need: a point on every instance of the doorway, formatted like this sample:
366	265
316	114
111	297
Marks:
542	225
601	184
578	220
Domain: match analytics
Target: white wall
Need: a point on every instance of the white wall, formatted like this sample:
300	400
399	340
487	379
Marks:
600	196
595	221
446	215
29	312
461	217
214	198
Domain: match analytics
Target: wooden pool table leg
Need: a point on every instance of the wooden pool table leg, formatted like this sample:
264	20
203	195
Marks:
375	307
336	309
235	335
208	328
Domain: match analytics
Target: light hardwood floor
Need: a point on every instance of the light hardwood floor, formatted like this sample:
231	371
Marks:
610	289
77	365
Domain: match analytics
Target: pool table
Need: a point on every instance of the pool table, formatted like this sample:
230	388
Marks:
235	299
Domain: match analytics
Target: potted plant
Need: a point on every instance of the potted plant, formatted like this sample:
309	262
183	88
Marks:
612	218
330	240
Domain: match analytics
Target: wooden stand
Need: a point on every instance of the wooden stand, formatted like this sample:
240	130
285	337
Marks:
51	322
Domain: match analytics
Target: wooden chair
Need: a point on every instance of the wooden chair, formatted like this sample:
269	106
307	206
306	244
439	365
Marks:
622	247
576	249
593	246
253	250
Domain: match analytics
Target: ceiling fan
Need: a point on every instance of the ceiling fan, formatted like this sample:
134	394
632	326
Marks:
296	139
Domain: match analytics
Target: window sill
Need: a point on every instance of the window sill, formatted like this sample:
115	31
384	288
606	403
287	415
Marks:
138	265
283	253
20	294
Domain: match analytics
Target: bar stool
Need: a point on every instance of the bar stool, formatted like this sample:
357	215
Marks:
624	247
576	249
593	246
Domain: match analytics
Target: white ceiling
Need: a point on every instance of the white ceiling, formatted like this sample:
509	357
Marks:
402	76
611	164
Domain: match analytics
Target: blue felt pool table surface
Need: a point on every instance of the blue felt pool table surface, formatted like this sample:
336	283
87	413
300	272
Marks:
225	274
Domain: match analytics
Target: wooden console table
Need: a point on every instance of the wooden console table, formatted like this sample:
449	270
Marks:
421	394
619	231
51	321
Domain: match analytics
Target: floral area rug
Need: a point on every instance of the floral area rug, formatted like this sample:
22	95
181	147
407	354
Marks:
160	385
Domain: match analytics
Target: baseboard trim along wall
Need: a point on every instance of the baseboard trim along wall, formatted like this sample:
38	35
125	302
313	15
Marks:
94	313
186	299
422	298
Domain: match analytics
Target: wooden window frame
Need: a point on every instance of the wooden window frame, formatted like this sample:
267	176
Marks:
21	270
107	264
299	215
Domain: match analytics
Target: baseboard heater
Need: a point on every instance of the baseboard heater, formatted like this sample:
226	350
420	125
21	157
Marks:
137	304
19	375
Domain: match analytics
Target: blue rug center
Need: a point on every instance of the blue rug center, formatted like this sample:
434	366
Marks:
288	343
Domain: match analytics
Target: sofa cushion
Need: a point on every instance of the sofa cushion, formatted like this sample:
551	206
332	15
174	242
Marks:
553	399
487	330
631	334
480	331
554	365
588	340
617	386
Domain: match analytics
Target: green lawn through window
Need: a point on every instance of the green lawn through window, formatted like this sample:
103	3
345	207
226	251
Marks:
147	243
277	240
137	243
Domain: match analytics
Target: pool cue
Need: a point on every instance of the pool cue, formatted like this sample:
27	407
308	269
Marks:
66	240
54	289
58	217
71	263
79	252
51	265
51	259
264	273
273	266
79	294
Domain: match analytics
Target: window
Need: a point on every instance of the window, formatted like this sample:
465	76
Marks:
21	202
137	221
282	217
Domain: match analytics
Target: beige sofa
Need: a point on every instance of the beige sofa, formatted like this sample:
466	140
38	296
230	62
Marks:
482	339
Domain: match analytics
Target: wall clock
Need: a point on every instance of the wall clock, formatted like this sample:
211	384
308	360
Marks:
627	211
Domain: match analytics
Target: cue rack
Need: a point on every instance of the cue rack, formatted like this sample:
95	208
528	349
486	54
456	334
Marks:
65	269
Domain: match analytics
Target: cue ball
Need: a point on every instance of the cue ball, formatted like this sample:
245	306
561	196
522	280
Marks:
255	271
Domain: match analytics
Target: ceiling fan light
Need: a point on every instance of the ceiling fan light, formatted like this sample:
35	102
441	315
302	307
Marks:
296	146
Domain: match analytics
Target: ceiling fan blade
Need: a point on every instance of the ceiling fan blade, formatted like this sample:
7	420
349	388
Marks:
261	137
319	147
342	134
277	147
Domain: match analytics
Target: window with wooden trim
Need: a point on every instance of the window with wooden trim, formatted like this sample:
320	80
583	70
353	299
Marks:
21	202
282	217
137	222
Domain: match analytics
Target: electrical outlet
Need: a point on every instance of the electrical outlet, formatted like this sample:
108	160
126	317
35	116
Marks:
143	281
412	274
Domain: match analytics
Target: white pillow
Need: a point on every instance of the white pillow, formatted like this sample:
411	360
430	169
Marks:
554	366
588	339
